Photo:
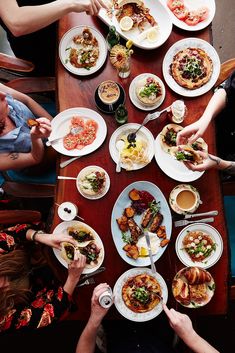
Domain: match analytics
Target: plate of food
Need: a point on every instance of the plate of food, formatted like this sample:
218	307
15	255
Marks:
137	292
93	182
199	244
190	15
191	67
141	206
166	153
83	50
88	243
78	131
193	287
147	23
136	155
147	91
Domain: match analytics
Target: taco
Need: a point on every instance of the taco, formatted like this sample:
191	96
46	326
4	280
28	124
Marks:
186	153
67	251
168	136
148	91
81	234
94	254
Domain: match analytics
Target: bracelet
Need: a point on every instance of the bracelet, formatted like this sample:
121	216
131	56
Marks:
33	235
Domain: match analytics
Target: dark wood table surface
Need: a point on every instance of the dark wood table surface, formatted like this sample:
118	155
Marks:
77	91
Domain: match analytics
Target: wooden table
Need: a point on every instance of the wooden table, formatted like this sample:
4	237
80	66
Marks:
75	91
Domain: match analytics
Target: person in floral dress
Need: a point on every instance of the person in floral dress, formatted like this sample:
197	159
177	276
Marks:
31	298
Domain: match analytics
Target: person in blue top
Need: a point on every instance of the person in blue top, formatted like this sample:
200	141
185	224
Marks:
20	145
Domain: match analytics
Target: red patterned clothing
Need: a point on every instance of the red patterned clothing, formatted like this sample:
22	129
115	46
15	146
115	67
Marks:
48	301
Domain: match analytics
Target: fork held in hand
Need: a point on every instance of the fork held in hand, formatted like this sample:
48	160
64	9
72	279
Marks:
86	282
184	222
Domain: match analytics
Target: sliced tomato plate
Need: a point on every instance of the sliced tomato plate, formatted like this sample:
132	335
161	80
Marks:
194	23
62	123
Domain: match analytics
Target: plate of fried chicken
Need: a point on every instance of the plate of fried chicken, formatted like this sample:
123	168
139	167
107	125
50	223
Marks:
141	207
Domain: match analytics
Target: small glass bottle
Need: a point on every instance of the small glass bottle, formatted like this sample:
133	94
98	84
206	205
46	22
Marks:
121	114
113	37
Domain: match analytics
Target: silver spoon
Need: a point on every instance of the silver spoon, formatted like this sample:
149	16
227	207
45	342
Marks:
119	146
74	131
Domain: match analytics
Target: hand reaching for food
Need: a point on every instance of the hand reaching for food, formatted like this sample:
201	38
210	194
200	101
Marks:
41	128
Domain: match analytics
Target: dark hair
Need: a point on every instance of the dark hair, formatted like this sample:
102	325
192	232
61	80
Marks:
15	267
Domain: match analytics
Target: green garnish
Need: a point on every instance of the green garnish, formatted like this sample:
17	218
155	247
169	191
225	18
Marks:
141	294
126	238
150	89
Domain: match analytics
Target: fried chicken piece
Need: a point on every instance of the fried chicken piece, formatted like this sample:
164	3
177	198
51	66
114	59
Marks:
135	230
131	251
147	216
164	242
129	212
157	220
161	232
122	223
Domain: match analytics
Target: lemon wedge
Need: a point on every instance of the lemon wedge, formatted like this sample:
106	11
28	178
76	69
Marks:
143	251
152	35
126	23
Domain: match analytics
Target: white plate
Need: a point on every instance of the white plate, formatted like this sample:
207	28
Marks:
62	228
61	122
210	260
193	5
121	306
173	168
193	43
67	42
124	201
143	133
136	101
85	171
210	289
160	14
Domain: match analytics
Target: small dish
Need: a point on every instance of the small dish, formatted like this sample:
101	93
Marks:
177	204
214	256
91	195
133	96
193	293
106	108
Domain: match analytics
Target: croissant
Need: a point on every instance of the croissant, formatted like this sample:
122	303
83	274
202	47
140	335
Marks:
196	275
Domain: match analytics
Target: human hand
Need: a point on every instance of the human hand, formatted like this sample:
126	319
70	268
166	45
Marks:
97	311
91	7
43	130
208	161
76	267
55	240
190	133
181	323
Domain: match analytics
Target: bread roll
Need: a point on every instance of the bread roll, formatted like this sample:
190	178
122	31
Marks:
196	275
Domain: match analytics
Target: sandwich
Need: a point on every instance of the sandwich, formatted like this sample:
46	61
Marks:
185	153
148	91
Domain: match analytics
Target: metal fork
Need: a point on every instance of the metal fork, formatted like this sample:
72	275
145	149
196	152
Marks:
151	116
86	282
184	222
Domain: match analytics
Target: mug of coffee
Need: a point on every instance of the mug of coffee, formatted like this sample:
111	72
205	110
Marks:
184	199
109	93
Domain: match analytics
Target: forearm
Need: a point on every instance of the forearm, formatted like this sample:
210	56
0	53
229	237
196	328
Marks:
214	107
27	19
198	344
69	285
87	339
221	164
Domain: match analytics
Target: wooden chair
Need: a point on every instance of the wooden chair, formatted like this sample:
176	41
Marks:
19	216
228	187
26	85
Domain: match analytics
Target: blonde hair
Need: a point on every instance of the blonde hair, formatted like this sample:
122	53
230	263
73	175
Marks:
15	267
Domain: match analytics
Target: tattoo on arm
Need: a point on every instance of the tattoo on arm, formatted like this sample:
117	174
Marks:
14	155
231	169
217	160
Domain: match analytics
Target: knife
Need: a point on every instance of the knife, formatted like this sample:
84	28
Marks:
99	270
153	268
210	213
